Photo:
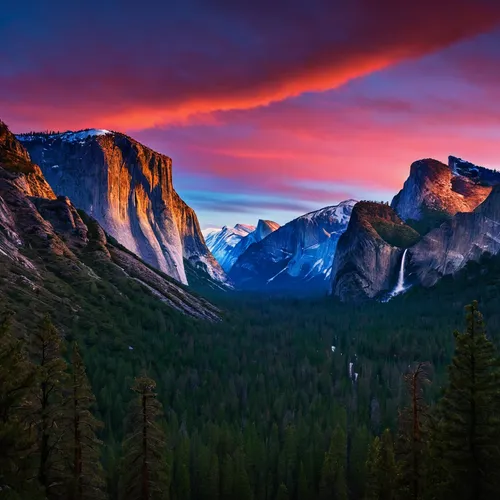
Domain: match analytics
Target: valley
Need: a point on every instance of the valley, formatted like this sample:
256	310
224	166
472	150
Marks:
259	384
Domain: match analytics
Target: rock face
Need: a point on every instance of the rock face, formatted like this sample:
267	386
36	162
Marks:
128	189
436	189
467	236
298	254
39	232
264	228
221	243
369	253
15	158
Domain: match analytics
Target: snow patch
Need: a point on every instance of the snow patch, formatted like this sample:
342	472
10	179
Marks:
276	275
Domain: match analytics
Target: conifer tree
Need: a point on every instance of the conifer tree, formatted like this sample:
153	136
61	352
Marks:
182	481
144	474
358	450
302	486
227	478
468	428
333	483
86	477
411	443
16	443
241	483
47	408
381	469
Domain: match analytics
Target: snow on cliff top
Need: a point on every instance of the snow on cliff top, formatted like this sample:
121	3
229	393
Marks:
68	136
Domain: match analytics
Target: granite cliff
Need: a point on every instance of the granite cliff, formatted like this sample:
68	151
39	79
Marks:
369	252
467	236
128	189
53	253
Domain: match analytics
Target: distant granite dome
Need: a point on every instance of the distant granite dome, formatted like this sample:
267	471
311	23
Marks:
128	189
433	186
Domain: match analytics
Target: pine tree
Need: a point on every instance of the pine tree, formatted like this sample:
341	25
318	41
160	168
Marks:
333	483
360	443
302	486
241	483
144	474
47	409
411	443
86	477
16	443
468	428
227	478
381	469
182	480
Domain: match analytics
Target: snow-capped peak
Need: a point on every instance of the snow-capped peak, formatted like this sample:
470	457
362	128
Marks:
222	241
209	230
341	212
246	228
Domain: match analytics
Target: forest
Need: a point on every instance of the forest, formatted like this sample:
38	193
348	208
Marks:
284	398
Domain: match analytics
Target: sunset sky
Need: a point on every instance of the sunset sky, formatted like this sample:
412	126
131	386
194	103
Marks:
269	109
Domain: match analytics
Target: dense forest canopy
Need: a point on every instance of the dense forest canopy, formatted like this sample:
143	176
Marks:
283	398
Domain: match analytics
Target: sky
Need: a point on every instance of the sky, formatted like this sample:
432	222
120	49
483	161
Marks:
268	109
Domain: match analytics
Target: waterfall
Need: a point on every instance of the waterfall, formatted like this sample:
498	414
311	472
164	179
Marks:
400	287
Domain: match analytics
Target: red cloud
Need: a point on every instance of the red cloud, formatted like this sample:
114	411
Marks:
132	70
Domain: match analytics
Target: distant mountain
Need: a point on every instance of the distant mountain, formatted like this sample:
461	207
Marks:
264	228
437	191
209	230
128	189
299	253
222	242
55	257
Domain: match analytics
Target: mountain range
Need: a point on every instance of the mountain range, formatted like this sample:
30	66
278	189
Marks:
298	254
444	216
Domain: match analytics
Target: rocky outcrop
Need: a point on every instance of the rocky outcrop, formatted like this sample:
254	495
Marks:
466	237
15	159
298	254
369	253
46	240
221	243
128	189
436	190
